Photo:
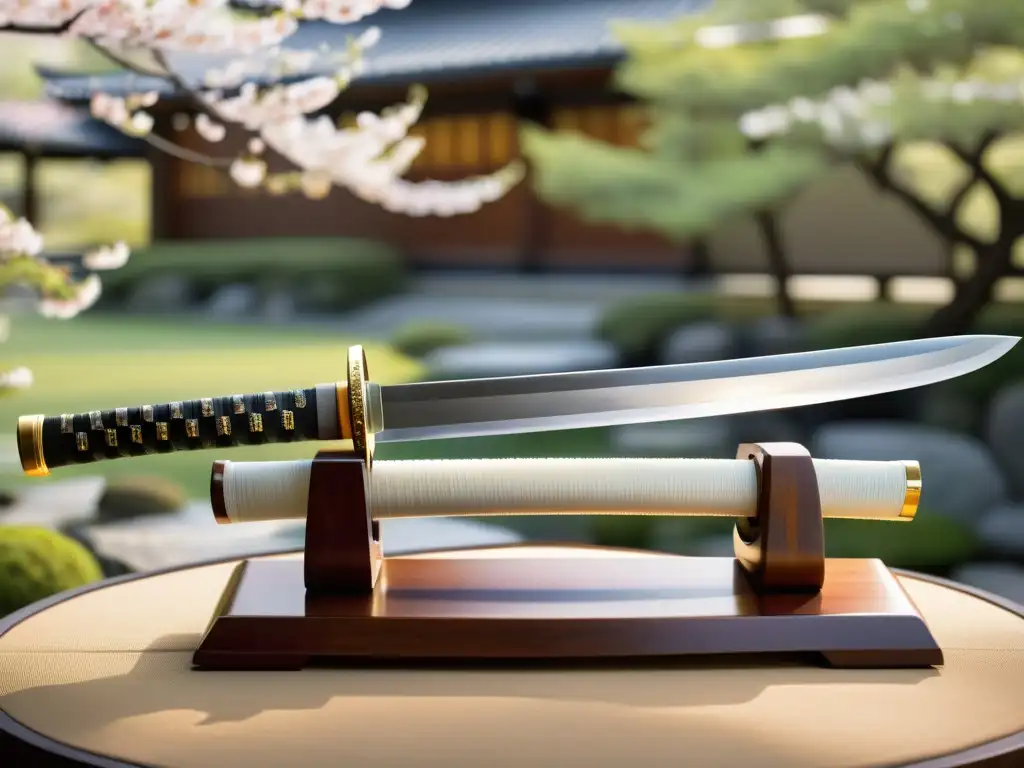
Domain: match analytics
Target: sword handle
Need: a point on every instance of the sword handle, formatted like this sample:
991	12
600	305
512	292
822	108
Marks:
324	412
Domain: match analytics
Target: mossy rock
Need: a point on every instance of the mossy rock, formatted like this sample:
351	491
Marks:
132	497
418	340
638	327
930	543
36	563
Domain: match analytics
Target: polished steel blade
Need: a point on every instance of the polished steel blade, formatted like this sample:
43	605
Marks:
583	399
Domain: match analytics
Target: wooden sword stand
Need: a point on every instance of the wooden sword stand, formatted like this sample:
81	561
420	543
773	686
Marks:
346	603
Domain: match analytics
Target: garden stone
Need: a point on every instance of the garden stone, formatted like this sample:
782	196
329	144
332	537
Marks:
193	535
774	335
765	427
961	478
511	359
714	437
232	301
1004	431
1001	531
161	293
699	343
1002	579
944	408
698	438
279	305
54	504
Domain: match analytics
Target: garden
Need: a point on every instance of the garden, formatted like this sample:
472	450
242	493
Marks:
735	132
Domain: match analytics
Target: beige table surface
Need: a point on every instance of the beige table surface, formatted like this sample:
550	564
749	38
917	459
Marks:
108	672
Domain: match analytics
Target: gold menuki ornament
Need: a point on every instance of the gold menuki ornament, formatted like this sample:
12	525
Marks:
255	422
67	424
192	427
82	441
161	430
137	434
206	406
224	426
111	436
121	417
238	404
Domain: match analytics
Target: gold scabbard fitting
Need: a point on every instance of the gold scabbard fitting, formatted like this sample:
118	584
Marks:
912	496
30	445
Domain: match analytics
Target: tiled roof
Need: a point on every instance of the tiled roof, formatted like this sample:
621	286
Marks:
59	129
439	38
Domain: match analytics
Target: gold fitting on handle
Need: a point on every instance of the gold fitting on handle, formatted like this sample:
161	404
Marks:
912	496
344	415
30	445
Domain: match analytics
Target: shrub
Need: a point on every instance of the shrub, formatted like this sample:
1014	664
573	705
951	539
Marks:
930	543
328	273
130	497
36	563
420	339
637	327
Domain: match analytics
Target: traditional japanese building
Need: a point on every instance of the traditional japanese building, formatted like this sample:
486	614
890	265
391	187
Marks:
489	65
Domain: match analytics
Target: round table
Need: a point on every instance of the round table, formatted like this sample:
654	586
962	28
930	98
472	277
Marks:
101	676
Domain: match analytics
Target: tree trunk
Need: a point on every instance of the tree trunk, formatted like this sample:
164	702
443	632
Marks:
777	262
995	261
973	294
699	263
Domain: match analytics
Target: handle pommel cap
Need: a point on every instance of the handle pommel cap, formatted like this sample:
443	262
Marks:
912	495
30	445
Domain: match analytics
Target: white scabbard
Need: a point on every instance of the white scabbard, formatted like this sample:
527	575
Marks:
279	490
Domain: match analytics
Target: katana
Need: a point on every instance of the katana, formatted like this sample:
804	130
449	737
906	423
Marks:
365	412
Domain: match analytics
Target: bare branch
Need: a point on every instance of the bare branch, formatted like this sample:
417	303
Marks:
975	161
123	63
943	223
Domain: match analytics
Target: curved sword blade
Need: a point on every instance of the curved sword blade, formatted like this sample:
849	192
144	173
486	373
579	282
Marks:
577	400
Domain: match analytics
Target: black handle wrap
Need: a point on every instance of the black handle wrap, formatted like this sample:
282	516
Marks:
216	422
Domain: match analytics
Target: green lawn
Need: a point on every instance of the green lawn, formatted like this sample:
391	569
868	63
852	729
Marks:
98	362
106	361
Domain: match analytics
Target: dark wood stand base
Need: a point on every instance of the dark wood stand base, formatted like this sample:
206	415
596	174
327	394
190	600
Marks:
345	603
615	605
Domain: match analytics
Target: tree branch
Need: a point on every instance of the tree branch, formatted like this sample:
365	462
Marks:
975	161
34	29
944	224
120	61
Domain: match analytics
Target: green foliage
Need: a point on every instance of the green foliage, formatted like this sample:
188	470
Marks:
138	496
36	563
929	543
420	339
637	327
638	189
329	273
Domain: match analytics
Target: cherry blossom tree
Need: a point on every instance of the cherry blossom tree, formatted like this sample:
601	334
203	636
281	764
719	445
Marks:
260	86
57	294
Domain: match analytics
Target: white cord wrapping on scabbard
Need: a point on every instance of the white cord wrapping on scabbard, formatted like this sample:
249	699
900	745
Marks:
278	490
